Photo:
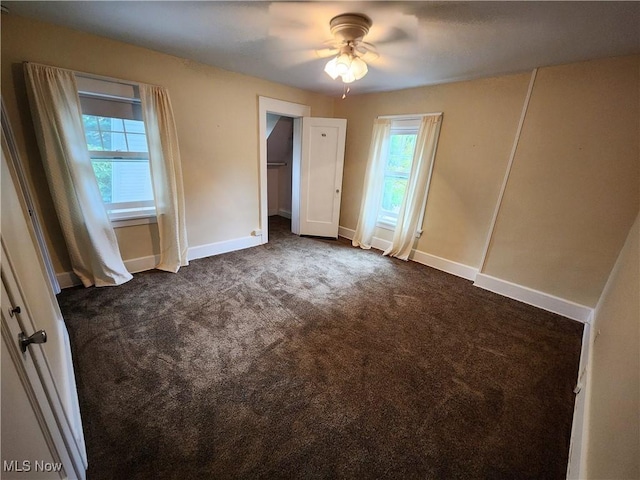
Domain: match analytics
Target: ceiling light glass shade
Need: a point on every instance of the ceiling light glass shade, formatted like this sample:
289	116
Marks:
343	63
348	77
347	66
331	69
358	68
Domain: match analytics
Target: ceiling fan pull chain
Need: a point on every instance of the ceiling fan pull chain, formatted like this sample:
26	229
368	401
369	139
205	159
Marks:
346	91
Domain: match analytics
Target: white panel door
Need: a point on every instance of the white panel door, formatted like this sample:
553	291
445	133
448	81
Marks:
45	370
323	141
29	448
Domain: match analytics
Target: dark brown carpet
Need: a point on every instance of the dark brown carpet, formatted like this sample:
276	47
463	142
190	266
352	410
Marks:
309	358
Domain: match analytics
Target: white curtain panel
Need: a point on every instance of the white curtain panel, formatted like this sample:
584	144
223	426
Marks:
417	190
373	186
57	117
166	176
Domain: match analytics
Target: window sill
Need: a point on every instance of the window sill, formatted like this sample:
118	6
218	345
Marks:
385	225
132	221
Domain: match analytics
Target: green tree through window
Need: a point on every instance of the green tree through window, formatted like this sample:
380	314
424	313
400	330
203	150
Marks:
396	174
118	150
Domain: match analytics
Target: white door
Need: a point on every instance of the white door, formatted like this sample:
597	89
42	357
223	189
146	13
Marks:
41	437
32	445
323	141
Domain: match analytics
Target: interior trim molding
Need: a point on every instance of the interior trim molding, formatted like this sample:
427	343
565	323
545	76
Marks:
224	246
287	109
548	302
578	449
68	280
284	213
141	264
507	173
545	301
133	265
439	263
576	467
24	191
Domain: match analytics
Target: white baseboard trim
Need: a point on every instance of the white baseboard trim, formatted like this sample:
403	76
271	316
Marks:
377	243
536	298
579	429
141	264
225	246
284	213
418	256
345	232
527	295
449	266
67	279
135	265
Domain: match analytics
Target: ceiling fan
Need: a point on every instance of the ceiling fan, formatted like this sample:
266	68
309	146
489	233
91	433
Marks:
298	29
350	52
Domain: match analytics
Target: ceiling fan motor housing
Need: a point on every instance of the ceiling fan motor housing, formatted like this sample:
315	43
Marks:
350	27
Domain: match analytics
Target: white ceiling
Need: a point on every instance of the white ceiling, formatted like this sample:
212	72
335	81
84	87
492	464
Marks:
419	43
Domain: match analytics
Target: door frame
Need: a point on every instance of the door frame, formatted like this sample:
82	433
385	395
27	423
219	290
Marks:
285	109
12	156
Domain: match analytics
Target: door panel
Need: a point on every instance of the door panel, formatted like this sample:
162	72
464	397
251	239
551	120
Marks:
26	286
28	449
323	142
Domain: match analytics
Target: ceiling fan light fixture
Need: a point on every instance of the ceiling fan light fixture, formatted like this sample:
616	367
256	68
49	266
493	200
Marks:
347	66
331	68
343	63
348	29
350	26
348	77
359	68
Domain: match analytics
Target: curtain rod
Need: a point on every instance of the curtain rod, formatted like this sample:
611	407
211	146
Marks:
96	76
411	115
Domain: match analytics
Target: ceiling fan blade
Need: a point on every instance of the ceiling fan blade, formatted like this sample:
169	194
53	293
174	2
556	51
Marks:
369	56
327	52
367	46
367	52
395	35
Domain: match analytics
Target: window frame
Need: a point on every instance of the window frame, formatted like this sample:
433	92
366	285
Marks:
123	213
401	125
138	209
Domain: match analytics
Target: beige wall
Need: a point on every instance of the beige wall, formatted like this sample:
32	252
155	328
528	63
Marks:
569	204
479	123
613	449
572	193
216	114
573	190
570	201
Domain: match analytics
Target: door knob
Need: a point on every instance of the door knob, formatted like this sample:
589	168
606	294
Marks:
39	337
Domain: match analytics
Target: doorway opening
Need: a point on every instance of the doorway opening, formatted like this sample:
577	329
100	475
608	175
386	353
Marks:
290	114
279	169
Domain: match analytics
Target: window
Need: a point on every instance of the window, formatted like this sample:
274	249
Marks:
397	167
117	144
